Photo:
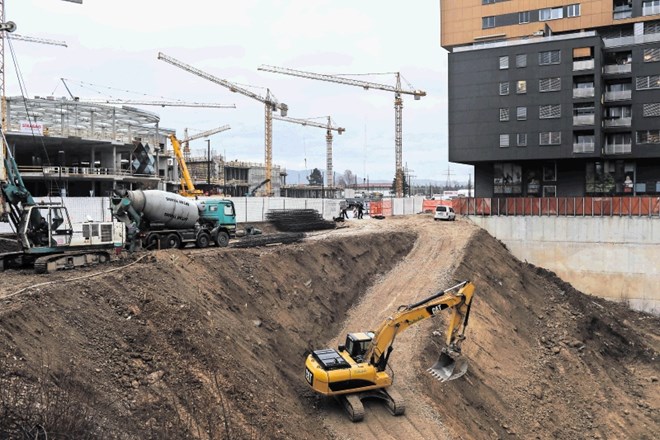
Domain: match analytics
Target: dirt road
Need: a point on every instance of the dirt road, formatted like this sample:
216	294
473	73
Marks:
425	270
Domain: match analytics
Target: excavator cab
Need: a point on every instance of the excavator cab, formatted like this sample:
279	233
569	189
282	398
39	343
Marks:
357	345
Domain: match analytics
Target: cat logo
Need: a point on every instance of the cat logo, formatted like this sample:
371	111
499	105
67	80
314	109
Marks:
309	376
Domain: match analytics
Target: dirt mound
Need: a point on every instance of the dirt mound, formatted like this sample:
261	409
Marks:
210	343
547	361
183	344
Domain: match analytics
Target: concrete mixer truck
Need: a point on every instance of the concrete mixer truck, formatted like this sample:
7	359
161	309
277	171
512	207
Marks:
157	219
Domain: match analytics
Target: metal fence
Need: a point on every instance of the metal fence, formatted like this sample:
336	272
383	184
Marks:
640	206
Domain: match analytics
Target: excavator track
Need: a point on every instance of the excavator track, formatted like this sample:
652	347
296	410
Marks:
353	406
69	260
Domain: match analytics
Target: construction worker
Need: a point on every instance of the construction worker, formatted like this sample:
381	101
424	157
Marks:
360	209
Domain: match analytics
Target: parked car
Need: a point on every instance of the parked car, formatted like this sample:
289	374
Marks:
444	213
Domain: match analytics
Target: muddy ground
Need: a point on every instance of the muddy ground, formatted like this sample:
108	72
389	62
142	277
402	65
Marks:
210	343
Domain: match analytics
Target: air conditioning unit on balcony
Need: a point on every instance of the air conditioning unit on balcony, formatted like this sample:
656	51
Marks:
538	33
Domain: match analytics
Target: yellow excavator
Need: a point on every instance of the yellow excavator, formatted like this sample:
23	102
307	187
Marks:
358	369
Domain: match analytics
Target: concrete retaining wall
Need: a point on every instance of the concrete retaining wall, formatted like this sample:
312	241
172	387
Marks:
611	257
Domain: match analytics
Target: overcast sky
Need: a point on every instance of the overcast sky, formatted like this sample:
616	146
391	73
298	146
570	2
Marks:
114	45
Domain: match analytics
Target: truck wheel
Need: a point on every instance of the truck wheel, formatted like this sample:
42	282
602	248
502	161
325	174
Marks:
222	240
173	241
152	242
203	240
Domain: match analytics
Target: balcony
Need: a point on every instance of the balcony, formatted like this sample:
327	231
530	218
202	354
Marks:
585	92
584	147
583	120
650	10
609	43
617	122
583	65
617	148
622	12
620	95
614	69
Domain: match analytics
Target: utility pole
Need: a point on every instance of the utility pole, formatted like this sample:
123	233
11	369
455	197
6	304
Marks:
208	164
449	174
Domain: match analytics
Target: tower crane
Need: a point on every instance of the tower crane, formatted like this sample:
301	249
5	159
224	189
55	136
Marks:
160	103
398	106
328	140
187	185
270	102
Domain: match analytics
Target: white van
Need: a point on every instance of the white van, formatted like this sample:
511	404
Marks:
444	213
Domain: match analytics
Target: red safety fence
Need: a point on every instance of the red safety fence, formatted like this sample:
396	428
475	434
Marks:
429	205
382	208
565	206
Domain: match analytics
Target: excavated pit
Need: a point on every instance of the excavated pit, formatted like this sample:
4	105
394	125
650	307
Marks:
210	343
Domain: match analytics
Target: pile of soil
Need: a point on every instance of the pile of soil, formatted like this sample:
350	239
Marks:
210	343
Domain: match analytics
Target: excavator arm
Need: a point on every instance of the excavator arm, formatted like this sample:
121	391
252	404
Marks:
457	298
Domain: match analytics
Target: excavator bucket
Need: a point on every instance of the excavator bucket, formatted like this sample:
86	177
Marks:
448	367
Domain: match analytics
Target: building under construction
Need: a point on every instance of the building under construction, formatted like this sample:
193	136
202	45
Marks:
69	147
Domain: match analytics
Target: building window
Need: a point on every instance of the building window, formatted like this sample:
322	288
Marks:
651	110
652	55
573	10
521	87
504	114
551	111
521	60
488	22
651	7
504	88
549	57
487	2
551	13
522	139
504	140
648	82
550	138
504	62
648	137
521	113
524	17
507	178
549	84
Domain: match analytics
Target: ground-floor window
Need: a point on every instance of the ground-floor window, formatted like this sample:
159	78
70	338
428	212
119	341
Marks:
507	178
616	177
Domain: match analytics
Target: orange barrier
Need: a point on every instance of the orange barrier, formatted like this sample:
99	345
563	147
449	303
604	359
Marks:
639	206
387	208
376	209
429	205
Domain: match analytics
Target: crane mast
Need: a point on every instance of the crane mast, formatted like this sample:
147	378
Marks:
328	140
398	106
269	101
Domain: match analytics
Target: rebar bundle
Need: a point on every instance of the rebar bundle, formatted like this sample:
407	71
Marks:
298	220
269	239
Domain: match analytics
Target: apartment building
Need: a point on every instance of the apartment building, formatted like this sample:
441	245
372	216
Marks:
555	98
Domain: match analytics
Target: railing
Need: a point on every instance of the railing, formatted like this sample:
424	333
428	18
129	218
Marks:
617	122
618	148
585	92
583	65
584	147
620	15
631	40
636	206
618	95
583	120
68	172
650	10
617	68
